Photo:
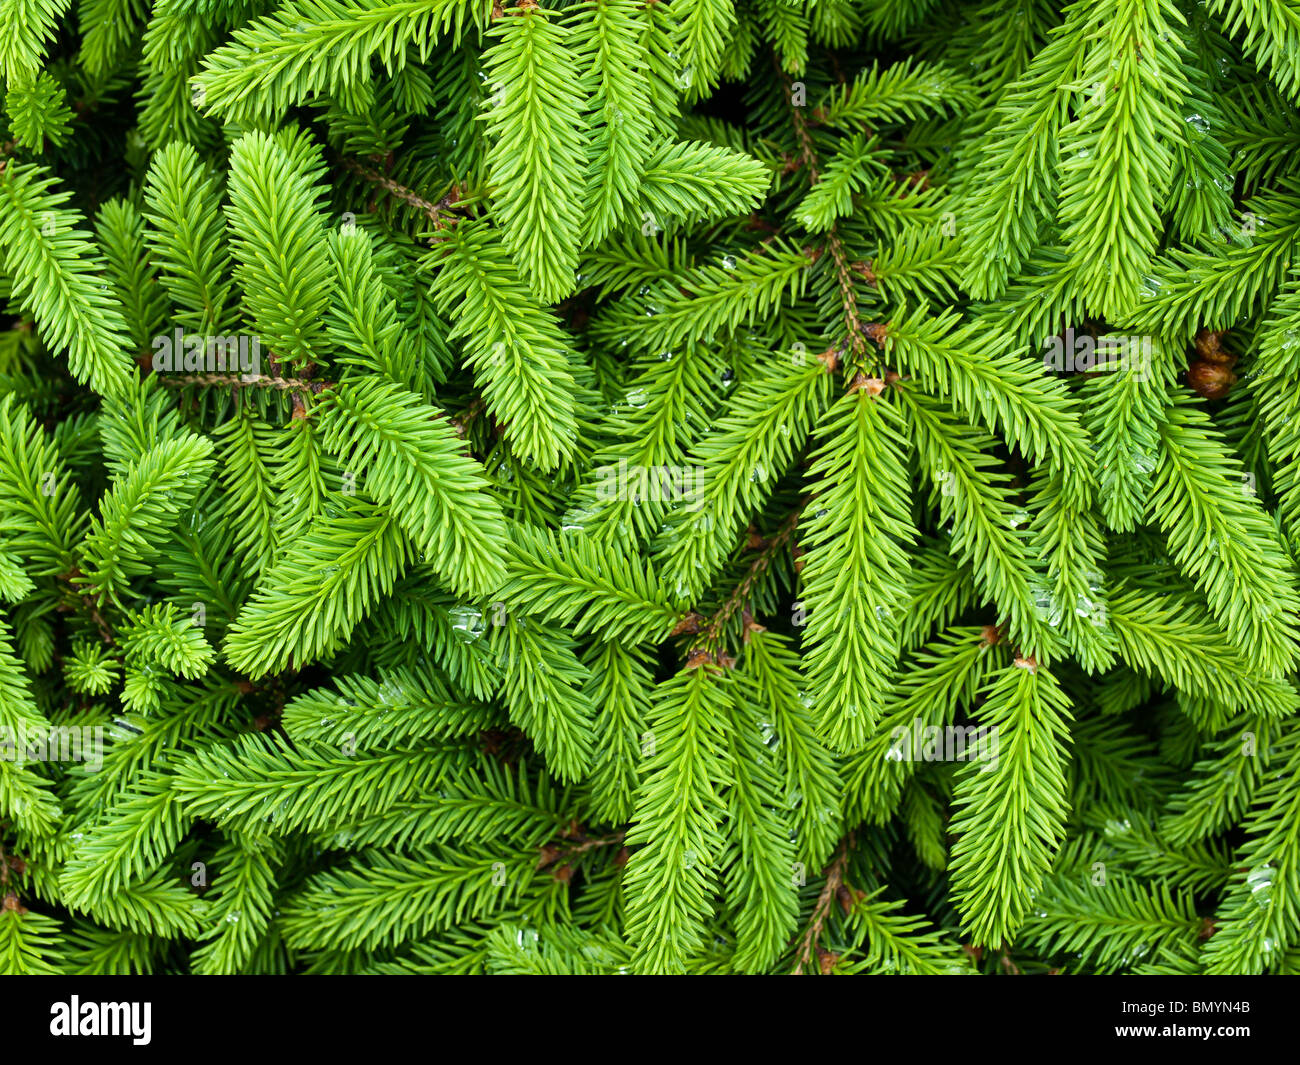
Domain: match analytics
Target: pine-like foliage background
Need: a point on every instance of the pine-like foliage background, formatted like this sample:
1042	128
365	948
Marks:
394	682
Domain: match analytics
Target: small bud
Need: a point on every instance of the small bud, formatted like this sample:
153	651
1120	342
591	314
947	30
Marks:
872	386
689	625
698	657
1211	380
867	273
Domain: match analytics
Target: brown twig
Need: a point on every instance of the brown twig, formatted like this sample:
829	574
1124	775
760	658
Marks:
848	295
739	597
830	891
857	336
439	213
575	842
88	603
807	154
247	380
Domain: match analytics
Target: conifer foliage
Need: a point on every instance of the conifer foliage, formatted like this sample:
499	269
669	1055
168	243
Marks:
659	486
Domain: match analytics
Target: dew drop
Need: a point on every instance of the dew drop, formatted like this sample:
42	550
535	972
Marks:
1151	287
467	623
